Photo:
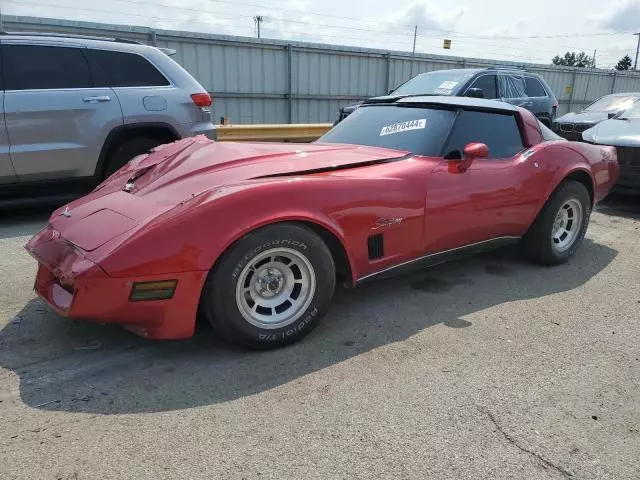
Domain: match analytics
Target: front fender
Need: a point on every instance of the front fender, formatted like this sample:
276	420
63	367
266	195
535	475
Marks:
193	235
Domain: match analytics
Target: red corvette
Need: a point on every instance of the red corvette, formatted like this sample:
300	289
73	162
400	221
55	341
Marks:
253	236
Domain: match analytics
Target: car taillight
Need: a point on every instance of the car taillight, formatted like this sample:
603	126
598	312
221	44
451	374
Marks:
201	99
555	103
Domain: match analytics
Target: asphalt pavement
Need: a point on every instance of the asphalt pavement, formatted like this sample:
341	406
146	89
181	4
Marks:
489	368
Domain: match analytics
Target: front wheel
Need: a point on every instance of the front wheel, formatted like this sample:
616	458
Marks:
561	225
271	287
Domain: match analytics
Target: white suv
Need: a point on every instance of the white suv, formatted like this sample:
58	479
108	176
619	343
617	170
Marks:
75	109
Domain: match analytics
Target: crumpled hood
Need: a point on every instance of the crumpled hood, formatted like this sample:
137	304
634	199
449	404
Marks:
181	170
583	117
152	184
618	133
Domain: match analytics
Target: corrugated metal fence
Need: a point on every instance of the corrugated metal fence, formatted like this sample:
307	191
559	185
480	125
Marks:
271	81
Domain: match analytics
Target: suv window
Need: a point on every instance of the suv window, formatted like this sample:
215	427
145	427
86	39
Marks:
442	82
534	88
35	67
120	69
488	85
511	86
498	131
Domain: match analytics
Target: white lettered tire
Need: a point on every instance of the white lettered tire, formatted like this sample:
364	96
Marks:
271	287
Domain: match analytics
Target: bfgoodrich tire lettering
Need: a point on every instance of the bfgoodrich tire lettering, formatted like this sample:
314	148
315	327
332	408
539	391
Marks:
271	287
569	206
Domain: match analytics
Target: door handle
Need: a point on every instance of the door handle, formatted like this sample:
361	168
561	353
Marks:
100	98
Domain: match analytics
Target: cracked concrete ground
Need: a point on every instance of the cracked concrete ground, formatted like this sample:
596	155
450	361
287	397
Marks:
490	368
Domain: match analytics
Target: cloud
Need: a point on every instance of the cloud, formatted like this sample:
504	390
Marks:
427	15
514	28
619	16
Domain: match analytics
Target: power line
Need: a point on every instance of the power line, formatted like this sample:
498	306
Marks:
522	39
283	20
298	12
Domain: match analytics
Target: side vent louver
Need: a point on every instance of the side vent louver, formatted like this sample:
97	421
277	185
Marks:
376	246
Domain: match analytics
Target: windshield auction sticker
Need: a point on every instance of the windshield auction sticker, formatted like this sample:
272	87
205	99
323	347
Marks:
448	85
418	124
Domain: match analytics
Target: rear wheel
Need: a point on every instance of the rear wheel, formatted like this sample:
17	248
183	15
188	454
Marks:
125	152
561	225
271	287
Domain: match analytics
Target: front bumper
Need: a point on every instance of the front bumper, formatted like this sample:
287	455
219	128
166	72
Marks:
78	288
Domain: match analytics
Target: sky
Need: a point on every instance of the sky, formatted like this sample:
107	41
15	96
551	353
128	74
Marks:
496	29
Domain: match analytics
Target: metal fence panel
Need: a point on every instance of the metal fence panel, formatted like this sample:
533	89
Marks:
272	81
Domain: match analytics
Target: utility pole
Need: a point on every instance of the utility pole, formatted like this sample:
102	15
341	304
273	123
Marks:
415	34
258	19
593	65
635	65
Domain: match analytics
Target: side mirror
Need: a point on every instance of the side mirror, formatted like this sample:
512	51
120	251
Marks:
470	153
390	91
611	114
474	93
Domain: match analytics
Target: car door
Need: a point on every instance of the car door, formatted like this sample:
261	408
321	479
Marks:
56	121
7	175
540	101
492	198
486	83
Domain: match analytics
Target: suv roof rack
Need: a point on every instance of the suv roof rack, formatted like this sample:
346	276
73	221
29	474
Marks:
70	35
498	67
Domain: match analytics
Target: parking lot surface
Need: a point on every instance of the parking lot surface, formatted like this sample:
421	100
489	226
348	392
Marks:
486	368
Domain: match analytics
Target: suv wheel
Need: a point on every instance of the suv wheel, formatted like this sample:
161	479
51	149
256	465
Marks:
125	152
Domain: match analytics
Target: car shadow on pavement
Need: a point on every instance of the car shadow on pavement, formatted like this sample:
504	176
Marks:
64	365
623	206
22	222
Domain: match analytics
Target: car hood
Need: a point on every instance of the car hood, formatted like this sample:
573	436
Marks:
583	117
189	167
619	133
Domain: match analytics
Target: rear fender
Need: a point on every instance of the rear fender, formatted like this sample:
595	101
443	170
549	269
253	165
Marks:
560	161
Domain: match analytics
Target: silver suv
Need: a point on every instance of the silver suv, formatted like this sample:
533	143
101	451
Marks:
75	109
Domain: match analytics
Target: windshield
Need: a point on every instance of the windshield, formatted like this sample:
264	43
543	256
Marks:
443	82
632	113
612	103
421	131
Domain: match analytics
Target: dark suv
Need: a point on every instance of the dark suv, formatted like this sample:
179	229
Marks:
515	86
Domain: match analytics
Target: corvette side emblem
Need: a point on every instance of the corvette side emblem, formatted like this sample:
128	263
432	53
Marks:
386	222
65	213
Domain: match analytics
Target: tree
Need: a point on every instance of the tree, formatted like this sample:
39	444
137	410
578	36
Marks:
624	63
573	59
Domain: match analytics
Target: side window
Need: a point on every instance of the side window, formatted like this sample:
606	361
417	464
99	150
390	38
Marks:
534	88
498	131
35	67
488	85
120	69
511	86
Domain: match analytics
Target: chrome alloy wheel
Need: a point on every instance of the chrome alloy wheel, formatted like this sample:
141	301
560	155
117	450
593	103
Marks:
567	225
275	288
